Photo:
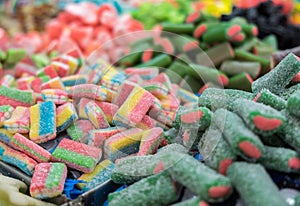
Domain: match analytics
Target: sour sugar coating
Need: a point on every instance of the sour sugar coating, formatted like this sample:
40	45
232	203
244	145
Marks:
5	113
108	109
156	88
293	104
260	118
170	103
279	77
280	159
123	92
214	149
158	189
147	123
123	144
268	98
48	180
173	147
254	185
150	141
19	121
96	115
30	148
198	178
15	97
242	140
196	118
5	136
81	108
194	201
131	169
73	80
290	133
18	159
54	83
55	95
214	98
99	175
42	122
97	137
65	115
77	155
78	130
144	73
90	91
134	108
164	79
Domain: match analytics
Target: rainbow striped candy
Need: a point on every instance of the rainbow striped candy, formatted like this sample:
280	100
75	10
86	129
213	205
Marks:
96	115
5	136
97	137
150	141
134	108
54	83
65	115
15	97
73	80
47	71
48	180
61	68
81	108
30	148
100	174
77	155
8	80
144	73
78	131
90	91
19	121
55	95
18	159
108	109
123	144
123	92
5	113
42	122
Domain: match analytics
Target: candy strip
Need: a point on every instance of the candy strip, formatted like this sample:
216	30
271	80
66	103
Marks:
78	130
214	98
90	91
18	159
99	175
268	98
260	118
221	33
123	92
144	73
123	144
254	184
162	60
15	97
73	80
240	81
108	109
233	67
7	80
19	121
47	71
96	115
280	159
135	107
242	140
55	95
42	122
54	83
150	141
277	79
196	118
147	123
147	191
65	115
199	178
77	155
81	108
216	152
48	180
293	104
178	28
97	137
30	148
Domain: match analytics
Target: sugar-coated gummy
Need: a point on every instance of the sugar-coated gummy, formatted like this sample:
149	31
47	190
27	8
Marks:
254	185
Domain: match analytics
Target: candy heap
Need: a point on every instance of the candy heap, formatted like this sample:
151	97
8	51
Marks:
205	43
270	19
239	134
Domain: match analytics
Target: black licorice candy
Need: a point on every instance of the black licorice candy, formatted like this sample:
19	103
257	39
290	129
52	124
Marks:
261	119
216	152
268	98
157	189
280	159
254	185
199	178
241	139
278	78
